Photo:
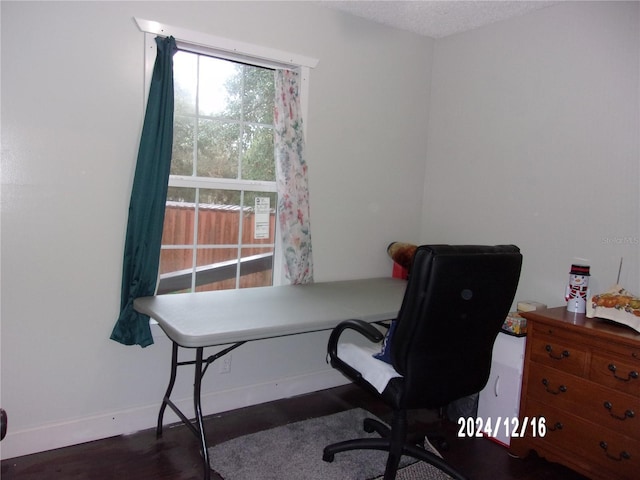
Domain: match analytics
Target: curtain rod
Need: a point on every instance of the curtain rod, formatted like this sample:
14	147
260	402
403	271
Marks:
225	44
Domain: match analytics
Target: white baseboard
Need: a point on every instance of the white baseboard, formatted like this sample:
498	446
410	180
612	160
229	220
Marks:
63	434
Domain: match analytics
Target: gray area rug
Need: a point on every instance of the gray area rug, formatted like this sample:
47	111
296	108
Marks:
294	452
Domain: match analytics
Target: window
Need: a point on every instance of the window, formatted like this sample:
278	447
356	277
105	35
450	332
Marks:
220	223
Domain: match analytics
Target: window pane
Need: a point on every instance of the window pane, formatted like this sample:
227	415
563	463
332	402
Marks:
218	152
257	159
218	217
256	269
220	197
176	266
183	145
179	217
219	87
185	68
258	97
217	268
175	260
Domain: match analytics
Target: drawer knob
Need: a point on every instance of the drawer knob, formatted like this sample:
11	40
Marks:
556	426
623	455
632	375
561	388
563	354
627	414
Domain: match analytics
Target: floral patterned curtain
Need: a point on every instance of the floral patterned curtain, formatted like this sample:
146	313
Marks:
291	179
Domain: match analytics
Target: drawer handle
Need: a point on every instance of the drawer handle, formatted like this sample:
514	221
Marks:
623	455
632	375
549	349
627	414
556	426
561	388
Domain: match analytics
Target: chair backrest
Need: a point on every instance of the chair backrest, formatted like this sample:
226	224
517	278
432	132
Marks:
456	300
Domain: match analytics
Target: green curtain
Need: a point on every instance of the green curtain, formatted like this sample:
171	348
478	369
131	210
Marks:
148	198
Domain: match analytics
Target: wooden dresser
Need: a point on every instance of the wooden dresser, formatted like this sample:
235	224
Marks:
582	376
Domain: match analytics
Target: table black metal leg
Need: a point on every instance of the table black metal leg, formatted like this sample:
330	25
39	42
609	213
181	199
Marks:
172	381
197	389
200	367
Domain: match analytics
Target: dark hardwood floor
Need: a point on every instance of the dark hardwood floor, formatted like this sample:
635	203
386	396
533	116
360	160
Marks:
175	456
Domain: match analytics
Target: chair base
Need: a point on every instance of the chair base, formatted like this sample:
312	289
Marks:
397	449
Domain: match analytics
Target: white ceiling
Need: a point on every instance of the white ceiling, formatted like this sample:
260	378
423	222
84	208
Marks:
436	18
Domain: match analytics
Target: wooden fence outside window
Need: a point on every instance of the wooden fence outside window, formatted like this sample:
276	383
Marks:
216	266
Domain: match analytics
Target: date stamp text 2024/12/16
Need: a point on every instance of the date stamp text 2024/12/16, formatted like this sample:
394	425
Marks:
511	427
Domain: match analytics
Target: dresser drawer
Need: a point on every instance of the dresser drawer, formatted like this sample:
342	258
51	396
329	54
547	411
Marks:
557	388
605	406
558	353
610	454
622	374
617	411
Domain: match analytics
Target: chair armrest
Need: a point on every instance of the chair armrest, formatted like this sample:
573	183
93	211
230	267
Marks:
366	329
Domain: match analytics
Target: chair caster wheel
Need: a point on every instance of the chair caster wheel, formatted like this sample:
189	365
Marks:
328	457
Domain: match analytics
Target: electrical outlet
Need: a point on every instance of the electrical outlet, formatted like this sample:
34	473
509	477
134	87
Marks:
225	364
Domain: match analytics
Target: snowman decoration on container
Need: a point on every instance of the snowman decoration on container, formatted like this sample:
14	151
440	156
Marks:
577	291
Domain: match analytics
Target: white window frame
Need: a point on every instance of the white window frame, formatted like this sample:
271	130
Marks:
230	49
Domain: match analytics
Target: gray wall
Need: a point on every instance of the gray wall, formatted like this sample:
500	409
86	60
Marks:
533	140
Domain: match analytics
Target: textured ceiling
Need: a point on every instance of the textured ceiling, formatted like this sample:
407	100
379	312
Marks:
436	19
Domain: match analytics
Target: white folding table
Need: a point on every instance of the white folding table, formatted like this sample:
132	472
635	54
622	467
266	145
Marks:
234	317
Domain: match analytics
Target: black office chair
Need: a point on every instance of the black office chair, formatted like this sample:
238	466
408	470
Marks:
439	347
